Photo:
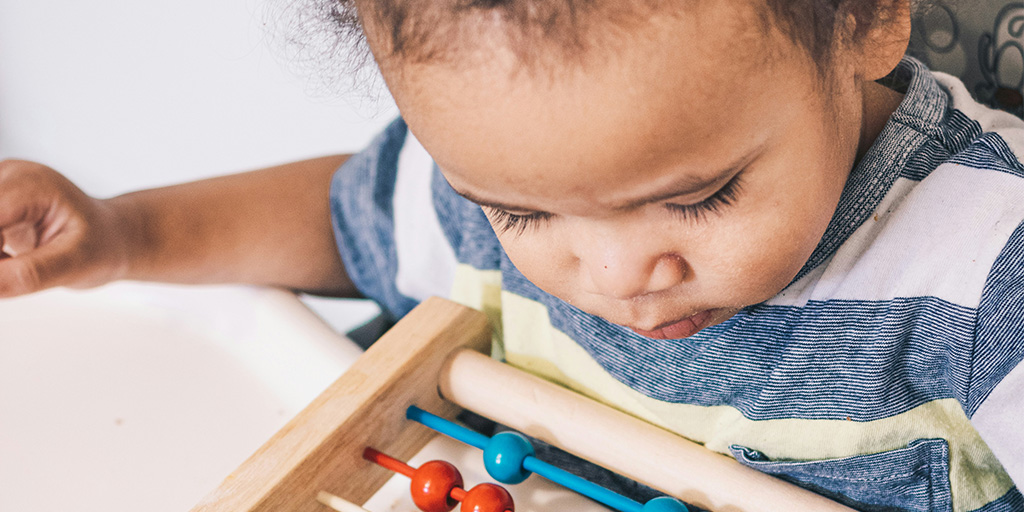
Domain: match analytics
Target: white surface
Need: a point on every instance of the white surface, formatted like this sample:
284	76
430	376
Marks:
144	397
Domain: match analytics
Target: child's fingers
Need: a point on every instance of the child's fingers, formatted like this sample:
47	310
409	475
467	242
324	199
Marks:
36	199
18	208
24	200
53	264
18	239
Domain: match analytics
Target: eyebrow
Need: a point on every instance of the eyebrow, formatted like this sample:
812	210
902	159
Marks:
687	185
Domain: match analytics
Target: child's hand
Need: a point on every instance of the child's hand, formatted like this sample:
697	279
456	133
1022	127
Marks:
53	234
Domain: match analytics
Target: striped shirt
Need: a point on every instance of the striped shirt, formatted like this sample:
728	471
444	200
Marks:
887	375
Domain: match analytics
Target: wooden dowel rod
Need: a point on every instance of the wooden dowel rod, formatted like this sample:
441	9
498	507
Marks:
617	441
339	504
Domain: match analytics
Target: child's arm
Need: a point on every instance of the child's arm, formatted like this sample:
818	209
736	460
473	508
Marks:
269	227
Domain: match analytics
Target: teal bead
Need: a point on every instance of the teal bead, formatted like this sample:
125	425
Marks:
505	455
665	504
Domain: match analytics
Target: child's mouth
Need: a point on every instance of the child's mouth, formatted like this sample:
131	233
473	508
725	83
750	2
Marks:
678	329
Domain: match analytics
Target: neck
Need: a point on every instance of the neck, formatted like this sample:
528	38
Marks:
879	104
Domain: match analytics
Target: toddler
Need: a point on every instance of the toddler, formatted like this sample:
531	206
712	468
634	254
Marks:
754	223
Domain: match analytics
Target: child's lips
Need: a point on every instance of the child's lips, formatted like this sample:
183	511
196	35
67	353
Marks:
678	329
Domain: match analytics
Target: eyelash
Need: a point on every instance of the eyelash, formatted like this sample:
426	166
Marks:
505	221
698	212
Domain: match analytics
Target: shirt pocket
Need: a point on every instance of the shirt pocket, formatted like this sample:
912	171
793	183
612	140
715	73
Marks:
915	478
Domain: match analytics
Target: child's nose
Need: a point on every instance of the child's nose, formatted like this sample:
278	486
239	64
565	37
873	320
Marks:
627	272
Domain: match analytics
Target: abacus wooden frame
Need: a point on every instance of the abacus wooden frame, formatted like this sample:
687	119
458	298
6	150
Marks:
423	357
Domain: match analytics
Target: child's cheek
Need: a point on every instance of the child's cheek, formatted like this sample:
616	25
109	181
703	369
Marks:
542	258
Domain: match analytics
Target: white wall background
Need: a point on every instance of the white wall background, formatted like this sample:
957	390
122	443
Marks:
122	95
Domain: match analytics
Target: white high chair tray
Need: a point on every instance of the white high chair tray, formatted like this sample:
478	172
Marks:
144	397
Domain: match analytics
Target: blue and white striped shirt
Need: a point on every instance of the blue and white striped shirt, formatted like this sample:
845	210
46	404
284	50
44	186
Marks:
887	375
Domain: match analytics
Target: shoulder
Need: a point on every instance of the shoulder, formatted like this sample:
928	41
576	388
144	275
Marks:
1001	143
955	200
401	230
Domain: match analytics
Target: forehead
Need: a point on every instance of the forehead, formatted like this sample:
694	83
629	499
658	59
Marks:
684	90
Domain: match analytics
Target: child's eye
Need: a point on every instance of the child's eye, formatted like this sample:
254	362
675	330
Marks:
505	221
725	196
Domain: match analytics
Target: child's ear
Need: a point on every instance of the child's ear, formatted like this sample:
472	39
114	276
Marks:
877	40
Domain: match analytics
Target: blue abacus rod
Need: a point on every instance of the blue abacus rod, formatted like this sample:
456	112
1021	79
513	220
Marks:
530	463
453	430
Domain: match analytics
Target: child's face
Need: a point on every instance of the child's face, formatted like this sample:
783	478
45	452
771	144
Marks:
662	188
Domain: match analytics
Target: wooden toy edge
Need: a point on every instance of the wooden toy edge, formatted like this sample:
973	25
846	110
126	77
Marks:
320	449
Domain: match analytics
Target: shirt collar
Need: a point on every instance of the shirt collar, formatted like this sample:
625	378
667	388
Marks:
917	119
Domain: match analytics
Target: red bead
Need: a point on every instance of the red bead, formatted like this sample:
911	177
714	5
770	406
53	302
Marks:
487	498
432	484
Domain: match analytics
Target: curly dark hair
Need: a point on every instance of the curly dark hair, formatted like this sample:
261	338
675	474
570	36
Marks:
329	35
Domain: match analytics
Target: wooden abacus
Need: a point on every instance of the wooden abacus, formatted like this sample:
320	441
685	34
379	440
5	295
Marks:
435	352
